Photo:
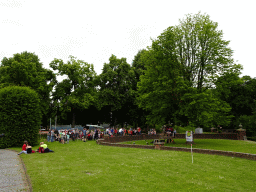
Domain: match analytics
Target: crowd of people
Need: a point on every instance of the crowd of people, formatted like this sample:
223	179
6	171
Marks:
64	135
122	131
152	132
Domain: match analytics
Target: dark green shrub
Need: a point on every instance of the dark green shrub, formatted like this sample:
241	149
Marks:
248	123
20	116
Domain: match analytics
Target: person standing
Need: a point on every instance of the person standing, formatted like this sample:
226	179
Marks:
60	137
77	133
84	132
52	135
63	135
49	136
139	130
171	131
56	132
96	134
68	138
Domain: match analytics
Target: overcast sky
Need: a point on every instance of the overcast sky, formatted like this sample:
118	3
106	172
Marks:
93	30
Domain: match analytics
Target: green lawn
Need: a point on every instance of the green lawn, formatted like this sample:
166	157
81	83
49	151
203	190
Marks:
215	144
80	166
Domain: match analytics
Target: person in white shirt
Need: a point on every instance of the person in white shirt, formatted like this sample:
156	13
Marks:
120	131
63	135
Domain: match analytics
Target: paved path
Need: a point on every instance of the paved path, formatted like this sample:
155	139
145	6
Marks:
12	174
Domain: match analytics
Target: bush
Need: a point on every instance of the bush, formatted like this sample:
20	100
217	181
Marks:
180	129
159	128
20	116
251	138
248	123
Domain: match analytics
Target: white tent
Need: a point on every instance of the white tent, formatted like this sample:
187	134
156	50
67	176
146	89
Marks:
94	126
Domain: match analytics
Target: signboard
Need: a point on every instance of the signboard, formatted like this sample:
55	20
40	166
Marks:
189	136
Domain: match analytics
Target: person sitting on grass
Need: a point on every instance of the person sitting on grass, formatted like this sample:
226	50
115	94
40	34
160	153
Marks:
24	148
29	149
43	148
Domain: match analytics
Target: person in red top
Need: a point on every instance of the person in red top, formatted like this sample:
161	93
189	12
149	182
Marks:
115	131
24	148
139	130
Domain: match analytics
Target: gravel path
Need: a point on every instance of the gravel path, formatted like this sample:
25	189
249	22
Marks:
12	173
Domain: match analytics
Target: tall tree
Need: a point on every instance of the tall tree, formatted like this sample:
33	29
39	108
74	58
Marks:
25	69
192	54
202	52
161	86
115	89
77	91
137	115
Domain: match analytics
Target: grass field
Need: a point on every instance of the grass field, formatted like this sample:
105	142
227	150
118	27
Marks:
80	166
215	144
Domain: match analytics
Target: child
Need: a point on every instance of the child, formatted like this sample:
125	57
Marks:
24	148
67	138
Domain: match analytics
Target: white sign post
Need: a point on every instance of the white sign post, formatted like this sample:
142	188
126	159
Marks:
191	153
189	139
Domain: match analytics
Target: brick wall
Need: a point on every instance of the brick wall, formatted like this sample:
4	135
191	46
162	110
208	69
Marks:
232	136
195	150
115	141
119	139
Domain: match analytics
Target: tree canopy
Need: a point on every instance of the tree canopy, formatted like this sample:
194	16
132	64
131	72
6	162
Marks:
115	92
187	75
189	55
201	50
77	90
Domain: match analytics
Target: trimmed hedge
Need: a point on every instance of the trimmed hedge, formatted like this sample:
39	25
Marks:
20	116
